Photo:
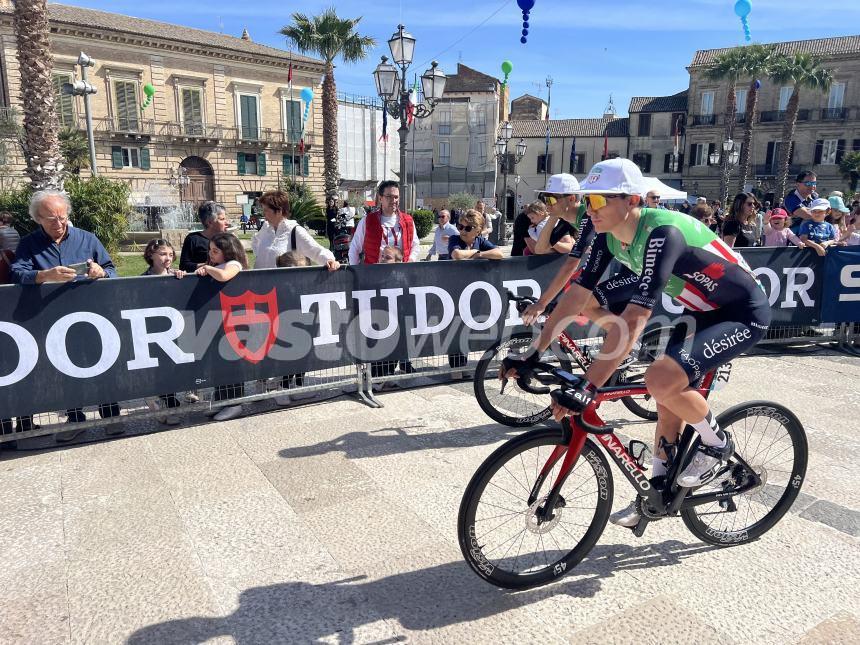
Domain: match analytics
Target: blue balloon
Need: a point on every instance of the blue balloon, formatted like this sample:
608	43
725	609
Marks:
307	95
526	5
743	8
757	84
525	24
523	40
525	32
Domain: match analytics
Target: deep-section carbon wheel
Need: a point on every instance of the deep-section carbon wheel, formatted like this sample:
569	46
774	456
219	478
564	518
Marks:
771	441
515	407
499	532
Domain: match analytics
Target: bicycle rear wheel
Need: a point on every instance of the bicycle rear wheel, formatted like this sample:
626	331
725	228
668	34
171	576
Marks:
771	440
515	407
496	527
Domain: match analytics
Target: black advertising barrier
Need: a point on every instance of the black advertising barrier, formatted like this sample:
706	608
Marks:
111	340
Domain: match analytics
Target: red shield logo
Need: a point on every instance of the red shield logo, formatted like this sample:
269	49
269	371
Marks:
241	311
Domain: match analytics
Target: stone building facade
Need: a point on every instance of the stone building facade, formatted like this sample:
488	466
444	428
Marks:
657	135
222	114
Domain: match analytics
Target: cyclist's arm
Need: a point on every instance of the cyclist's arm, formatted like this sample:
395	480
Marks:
586	236
558	283
577	297
664	247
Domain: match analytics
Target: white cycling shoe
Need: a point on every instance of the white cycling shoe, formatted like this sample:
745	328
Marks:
705	464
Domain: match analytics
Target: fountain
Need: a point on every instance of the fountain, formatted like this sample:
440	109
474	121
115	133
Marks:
157	208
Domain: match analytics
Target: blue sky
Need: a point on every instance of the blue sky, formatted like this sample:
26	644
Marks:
591	49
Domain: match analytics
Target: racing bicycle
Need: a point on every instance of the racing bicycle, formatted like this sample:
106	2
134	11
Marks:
521	405
540	502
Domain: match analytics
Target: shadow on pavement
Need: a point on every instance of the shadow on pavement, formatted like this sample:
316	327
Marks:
420	600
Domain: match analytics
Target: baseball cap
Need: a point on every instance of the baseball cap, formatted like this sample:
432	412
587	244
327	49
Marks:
837	204
701	200
819	204
778	213
613	176
561	184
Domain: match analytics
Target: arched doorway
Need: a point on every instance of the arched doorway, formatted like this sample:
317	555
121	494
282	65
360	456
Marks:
201	181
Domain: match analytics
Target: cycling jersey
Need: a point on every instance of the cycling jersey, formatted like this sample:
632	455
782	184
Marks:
586	232
677	254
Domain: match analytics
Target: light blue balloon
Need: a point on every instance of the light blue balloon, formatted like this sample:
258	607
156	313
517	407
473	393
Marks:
743	8
307	95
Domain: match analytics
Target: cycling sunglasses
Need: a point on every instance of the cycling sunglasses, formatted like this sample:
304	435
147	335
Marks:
595	201
466	229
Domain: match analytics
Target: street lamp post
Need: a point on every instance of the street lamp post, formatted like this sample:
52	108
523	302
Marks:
84	88
506	131
393	89
180	180
727	160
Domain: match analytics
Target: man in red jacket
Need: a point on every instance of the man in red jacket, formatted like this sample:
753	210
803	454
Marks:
384	226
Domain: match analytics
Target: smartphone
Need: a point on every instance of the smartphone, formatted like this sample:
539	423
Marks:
80	268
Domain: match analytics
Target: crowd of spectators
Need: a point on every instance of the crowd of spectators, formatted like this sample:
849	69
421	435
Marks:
58	252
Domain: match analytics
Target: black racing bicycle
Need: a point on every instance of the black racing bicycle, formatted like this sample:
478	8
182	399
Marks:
518	406
539	503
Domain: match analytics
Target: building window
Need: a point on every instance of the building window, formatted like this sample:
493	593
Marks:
478	120
444	153
837	96
668	165
707	102
544	163
577	163
784	97
123	157
644	125
293	119
125	93
482	154
249	163
699	153
192	110
643	160
298	164
249	116
64	103
741	101
445	122
829	150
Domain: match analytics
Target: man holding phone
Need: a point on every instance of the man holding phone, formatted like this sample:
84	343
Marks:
60	252
57	251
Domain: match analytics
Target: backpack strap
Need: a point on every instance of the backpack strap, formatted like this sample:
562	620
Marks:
293	238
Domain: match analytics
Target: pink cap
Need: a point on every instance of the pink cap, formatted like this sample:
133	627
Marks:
778	213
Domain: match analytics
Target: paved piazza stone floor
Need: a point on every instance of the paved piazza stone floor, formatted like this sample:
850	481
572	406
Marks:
335	523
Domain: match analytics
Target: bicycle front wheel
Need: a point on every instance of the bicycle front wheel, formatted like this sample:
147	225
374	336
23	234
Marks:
514	407
498	530
771	440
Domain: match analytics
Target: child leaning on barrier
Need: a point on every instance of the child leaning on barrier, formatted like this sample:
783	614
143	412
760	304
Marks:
159	255
776	231
285	261
226	259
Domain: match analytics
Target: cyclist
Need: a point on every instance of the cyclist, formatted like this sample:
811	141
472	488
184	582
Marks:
669	252
562	202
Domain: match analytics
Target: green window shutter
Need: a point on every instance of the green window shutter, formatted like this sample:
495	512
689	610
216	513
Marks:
126	105
288	165
192	111
261	163
64	103
240	163
116	157
306	165
144	159
294	120
248	108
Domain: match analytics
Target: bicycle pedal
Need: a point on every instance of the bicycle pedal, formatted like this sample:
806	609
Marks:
639	529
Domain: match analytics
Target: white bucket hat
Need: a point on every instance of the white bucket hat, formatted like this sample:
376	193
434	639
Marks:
613	176
562	184
819	204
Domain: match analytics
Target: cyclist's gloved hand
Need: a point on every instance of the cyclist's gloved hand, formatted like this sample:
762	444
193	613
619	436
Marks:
575	399
521	363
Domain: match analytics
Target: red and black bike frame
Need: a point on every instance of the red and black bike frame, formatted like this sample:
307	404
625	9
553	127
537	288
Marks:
668	501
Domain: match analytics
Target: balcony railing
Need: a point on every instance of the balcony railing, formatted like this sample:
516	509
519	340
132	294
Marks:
704	119
834	114
777	116
123	125
192	130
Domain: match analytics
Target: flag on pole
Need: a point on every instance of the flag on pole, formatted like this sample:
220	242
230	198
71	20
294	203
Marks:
573	156
290	73
413	101
384	136
302	146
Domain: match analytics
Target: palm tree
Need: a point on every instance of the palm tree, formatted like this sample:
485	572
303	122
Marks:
803	71
40	142
329	36
728	66
75	151
850	169
759	59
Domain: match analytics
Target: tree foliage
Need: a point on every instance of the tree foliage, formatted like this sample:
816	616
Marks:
850	169
423	221
76	153
462	201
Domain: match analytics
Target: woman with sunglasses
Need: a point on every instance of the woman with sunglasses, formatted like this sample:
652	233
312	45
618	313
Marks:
741	228
468	244
728	313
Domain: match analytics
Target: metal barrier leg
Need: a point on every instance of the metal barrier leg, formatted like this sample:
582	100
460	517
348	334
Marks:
364	389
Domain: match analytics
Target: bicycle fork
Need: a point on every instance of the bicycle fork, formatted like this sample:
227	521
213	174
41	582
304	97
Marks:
570	451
